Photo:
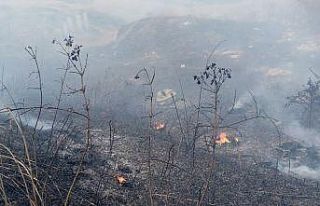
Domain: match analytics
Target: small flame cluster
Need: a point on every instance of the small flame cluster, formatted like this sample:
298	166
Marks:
223	139
121	180
159	126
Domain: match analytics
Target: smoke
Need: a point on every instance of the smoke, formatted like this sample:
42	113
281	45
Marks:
302	171
306	172
304	156
309	137
31	121
277	40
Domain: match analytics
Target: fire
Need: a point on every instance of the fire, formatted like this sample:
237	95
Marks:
223	139
121	179
159	125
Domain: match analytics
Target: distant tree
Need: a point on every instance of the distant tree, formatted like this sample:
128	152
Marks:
309	100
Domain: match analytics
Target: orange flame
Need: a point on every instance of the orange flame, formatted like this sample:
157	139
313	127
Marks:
159	125
223	139
121	179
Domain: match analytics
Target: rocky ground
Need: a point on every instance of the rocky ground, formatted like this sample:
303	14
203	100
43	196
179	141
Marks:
116	171
239	178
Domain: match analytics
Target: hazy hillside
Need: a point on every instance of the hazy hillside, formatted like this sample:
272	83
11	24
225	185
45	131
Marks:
184	43
273	56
